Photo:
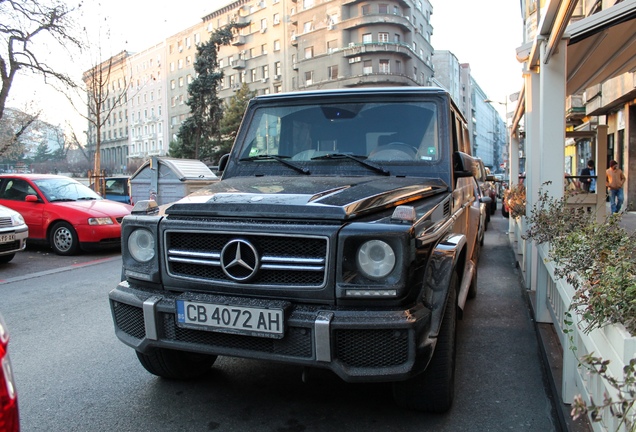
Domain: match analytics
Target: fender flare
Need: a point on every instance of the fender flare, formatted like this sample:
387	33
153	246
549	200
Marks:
448	256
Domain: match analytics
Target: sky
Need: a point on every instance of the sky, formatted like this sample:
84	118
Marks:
483	34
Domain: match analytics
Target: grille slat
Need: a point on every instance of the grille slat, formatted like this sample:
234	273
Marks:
372	348
284	260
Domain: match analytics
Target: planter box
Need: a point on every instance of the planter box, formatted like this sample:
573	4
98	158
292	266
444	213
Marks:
611	342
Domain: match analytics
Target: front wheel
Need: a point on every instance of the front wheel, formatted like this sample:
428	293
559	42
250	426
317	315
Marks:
434	389
176	364
63	239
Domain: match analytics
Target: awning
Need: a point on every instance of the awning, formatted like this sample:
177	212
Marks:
601	46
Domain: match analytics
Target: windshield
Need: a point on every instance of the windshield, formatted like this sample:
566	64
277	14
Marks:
381	133
65	189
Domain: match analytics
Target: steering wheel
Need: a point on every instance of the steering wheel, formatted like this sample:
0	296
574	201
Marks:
395	150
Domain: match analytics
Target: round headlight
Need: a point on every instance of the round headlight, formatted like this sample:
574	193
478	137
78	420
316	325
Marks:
141	245
376	259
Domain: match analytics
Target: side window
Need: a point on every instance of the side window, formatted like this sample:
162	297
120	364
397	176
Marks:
17	190
454	133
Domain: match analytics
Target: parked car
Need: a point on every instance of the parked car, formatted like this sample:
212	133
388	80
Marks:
346	237
9	418
486	183
13	233
117	189
63	213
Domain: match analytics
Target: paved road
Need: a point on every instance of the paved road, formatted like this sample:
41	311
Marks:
74	375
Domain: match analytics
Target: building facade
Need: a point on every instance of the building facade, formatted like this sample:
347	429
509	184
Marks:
147	104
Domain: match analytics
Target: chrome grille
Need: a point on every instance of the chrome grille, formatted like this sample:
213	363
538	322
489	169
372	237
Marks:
299	261
5	222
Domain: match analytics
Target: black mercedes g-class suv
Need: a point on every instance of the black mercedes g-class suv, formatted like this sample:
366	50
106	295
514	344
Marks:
342	235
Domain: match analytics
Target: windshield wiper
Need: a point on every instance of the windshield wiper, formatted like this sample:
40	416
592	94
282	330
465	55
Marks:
86	198
62	199
278	158
360	159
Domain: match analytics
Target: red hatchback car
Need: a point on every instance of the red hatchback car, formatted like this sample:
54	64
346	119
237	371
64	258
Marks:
63	212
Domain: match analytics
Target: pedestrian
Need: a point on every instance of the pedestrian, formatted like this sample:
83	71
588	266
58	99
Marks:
615	181
588	184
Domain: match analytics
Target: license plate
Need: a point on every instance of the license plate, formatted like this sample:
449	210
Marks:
6	238
231	319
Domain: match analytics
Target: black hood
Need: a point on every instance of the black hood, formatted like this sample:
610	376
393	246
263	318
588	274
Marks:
334	198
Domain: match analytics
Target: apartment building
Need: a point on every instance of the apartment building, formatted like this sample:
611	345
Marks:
107	85
147	103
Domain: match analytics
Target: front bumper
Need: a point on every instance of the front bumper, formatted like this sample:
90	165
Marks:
358	345
19	242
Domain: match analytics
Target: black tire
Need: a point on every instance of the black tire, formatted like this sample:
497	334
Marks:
472	289
176	364
493	206
63	239
434	389
6	258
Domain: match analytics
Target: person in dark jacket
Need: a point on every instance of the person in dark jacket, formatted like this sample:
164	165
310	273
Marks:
588	184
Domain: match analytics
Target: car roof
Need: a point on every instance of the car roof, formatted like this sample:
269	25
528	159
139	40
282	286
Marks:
34	176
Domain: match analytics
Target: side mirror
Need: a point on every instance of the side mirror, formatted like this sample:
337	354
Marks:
223	162
485	199
463	165
491	178
31	198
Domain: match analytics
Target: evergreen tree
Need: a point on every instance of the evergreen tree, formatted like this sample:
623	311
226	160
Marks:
199	132
42	153
232	117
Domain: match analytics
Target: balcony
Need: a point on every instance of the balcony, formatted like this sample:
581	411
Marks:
354	50
238	64
374	19
238	40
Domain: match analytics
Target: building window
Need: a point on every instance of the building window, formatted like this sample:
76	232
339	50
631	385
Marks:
383	37
396	10
173	84
278	70
264	24
309	52
332	72
396	38
367	67
253	75
366	9
307	26
277	45
278	88
180	65
197	39
398	67
276	19
171	67
385	67
265	71
188	60
331	45
367	38
308	4
383	8
264	49
309	78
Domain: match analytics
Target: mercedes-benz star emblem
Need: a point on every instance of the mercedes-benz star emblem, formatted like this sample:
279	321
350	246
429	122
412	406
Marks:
239	260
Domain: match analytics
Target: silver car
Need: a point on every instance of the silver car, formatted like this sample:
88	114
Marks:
13	233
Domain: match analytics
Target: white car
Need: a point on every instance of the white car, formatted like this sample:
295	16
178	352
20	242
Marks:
13	233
